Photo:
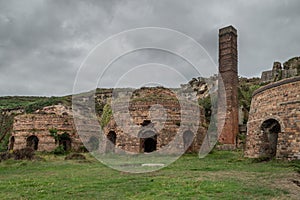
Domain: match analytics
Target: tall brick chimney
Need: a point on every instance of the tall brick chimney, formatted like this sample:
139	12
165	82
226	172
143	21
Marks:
228	71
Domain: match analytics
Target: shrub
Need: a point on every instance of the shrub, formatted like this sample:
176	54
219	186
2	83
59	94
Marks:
261	159
6	124
106	115
75	156
59	150
5	156
83	149
206	104
25	153
53	133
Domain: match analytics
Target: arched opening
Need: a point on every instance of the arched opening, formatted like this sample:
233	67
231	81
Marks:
11	143
270	129
148	141
150	145
188	137
111	141
32	142
65	141
93	143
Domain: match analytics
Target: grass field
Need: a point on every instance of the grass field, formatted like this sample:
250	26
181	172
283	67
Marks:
221	175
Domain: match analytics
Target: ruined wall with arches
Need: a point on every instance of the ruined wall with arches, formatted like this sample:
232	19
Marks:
274	121
149	138
34	130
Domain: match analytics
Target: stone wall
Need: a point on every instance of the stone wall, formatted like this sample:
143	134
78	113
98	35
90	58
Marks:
60	118
274	121
165	122
291	68
39	125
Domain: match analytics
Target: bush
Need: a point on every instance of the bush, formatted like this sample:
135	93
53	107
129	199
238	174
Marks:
106	115
5	156
59	150
206	104
6	124
25	153
261	159
53	133
75	156
83	149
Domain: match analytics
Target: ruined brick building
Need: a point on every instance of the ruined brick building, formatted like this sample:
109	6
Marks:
39	130
274	121
272	129
34	129
158	127
53	126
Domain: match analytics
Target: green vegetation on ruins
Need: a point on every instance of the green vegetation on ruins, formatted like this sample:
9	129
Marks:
106	115
31	104
6	122
246	89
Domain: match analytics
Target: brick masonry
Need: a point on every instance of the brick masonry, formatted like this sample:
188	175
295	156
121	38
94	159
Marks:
228	61
39	124
60	117
127	138
279	101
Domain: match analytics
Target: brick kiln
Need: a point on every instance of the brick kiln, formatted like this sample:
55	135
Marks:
37	130
274	121
151	136
34	130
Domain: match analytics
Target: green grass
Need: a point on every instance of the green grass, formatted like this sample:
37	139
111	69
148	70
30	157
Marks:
221	175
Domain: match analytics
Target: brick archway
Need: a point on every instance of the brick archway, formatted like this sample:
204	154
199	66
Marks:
275	117
150	144
148	140
270	129
32	142
111	141
65	141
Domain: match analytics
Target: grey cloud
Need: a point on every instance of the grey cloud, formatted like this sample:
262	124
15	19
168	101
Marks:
42	43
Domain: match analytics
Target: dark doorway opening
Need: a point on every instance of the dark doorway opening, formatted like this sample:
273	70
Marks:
188	137
270	128
93	143
65	141
32	142
111	141
148	141
11	143
150	145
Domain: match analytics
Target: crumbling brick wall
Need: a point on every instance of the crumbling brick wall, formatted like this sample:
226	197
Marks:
60	118
39	124
280	102
139	113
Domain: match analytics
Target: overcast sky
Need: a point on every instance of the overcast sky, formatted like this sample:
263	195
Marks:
43	43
